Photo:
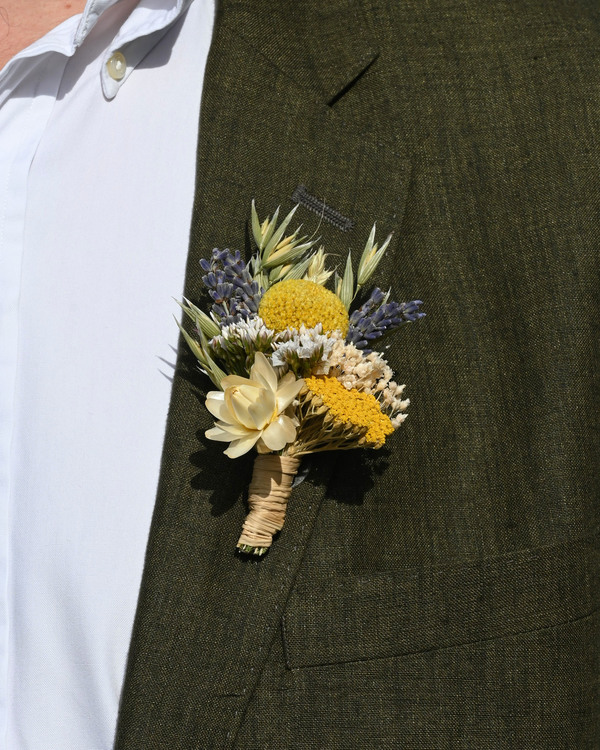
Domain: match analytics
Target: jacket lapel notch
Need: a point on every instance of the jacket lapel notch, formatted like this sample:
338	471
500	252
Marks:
320	46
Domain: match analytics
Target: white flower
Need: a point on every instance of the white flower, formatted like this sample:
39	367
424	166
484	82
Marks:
305	343
244	331
369	373
251	410
397	420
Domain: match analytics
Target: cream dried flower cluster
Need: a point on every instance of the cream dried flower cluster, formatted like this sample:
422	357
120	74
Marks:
371	374
357	370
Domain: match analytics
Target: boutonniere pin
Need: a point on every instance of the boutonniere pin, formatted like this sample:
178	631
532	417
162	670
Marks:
292	361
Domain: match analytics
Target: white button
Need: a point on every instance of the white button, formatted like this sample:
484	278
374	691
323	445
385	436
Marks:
116	66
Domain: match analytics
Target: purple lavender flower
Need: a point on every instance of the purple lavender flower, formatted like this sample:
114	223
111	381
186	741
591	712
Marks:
377	316
230	285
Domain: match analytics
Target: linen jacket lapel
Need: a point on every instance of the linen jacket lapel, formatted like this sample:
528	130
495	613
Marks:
207	616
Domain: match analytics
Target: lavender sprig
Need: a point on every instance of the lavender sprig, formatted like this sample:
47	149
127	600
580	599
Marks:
235	294
377	316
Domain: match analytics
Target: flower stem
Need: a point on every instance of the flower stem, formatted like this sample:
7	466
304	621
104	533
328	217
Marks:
268	495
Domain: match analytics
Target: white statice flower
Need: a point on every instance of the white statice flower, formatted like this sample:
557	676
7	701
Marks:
305	349
252	411
243	331
238	342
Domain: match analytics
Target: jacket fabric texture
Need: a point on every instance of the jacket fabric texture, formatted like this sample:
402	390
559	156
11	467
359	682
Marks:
441	592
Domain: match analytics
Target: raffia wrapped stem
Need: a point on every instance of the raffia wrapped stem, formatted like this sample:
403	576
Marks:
268	495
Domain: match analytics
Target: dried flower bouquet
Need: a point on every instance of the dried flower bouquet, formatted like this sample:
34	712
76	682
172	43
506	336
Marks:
292	362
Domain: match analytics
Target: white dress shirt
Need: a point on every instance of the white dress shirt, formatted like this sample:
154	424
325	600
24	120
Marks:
96	186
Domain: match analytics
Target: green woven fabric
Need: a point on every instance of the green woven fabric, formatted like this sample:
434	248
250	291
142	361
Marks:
441	593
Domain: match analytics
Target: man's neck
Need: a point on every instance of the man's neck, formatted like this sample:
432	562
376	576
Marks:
24	21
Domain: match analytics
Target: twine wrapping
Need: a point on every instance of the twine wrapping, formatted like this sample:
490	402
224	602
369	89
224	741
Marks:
268	495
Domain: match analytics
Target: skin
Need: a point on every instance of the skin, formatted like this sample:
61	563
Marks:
24	21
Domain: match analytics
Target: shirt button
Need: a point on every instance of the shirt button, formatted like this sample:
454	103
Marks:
116	66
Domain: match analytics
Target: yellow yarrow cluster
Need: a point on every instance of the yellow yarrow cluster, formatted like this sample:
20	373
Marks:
353	407
296	302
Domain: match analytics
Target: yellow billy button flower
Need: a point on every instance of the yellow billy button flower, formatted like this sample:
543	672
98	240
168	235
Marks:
354	408
251	410
297	302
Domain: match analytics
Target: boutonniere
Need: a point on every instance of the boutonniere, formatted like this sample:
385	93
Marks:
292	361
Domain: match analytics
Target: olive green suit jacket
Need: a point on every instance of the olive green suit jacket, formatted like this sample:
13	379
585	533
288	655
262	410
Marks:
442	592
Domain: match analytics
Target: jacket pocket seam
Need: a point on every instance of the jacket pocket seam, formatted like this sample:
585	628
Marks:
432	649
428	609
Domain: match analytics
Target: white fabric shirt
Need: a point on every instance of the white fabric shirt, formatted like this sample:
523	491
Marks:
96	188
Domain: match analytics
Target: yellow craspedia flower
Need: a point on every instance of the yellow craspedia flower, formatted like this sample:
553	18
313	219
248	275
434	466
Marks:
297	302
353	407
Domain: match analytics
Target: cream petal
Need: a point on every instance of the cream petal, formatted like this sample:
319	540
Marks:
262	412
215	403
287	391
263	371
217	433
236	403
262	448
235	430
243	445
240	400
214	394
230	394
232	380
290	426
279	433
250	393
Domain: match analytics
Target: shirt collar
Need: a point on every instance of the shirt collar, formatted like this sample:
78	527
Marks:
91	13
144	27
137	35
